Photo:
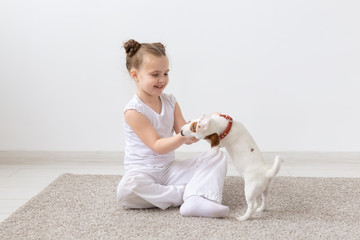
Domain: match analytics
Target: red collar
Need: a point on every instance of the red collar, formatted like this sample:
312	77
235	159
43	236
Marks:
228	128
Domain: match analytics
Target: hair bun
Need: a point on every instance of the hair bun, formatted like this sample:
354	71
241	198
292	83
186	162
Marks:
131	47
159	45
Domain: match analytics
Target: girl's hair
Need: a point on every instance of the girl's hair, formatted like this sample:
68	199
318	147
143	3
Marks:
135	52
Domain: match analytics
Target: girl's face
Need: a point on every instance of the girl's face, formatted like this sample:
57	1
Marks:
152	77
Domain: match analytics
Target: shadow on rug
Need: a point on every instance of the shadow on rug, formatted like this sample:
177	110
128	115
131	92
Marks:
84	207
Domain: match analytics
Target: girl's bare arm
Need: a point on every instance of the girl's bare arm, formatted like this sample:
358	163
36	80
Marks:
148	135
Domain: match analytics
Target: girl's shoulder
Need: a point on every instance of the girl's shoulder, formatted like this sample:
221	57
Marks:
135	104
170	98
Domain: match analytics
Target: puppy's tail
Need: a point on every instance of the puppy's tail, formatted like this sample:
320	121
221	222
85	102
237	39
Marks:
275	168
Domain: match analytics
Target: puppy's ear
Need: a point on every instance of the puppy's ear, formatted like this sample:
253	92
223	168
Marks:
214	138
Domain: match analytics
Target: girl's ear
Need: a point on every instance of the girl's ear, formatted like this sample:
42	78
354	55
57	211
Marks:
133	75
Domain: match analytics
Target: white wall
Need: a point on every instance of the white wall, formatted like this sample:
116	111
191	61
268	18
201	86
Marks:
289	70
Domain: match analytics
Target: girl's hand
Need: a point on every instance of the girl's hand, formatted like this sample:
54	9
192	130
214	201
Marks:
191	140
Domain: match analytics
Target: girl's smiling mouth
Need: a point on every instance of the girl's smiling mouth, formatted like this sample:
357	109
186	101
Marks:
159	86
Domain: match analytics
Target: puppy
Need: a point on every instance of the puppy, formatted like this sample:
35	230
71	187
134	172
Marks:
221	131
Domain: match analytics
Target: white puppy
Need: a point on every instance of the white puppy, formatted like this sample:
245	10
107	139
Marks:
222	131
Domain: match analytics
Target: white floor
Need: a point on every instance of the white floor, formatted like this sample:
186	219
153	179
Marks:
25	174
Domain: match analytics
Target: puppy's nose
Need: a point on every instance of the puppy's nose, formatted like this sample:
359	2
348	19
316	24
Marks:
181	132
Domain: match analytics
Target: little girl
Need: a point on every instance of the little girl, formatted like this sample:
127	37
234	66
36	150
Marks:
152	176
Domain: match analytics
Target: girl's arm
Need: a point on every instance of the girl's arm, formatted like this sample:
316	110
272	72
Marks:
179	121
148	135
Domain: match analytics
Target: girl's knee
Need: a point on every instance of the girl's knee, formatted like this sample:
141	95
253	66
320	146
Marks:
219	161
217	156
124	190
129	191
129	183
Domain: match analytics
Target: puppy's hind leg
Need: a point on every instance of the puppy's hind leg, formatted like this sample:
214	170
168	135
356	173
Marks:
265	196
265	200
252	204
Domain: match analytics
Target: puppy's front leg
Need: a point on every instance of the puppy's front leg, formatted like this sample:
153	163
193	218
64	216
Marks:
215	149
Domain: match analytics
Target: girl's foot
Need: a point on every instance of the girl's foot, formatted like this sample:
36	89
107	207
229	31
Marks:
197	206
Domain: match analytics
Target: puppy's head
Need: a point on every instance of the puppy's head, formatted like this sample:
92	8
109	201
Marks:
201	129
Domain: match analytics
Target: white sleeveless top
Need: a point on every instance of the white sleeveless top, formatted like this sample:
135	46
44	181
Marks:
136	152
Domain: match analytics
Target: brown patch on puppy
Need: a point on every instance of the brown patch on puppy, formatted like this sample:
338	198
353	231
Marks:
215	139
252	150
193	127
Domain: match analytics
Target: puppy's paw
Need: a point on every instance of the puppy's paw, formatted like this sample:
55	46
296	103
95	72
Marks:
242	218
262	208
215	149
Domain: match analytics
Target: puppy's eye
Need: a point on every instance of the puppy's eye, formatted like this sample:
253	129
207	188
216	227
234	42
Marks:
193	127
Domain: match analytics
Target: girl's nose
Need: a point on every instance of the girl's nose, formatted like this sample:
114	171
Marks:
162	80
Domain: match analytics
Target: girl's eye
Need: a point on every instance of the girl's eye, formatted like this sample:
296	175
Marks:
157	75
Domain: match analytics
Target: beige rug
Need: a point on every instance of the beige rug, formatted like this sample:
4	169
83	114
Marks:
84	207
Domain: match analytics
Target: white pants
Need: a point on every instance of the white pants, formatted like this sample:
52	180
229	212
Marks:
169	186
